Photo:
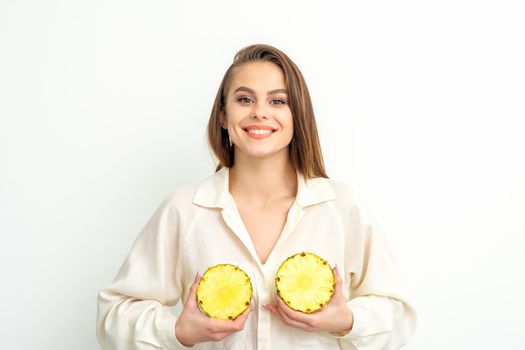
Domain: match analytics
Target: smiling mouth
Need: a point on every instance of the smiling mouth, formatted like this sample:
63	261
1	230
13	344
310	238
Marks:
259	134
259	131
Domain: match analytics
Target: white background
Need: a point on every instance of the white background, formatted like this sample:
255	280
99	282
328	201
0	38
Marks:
419	104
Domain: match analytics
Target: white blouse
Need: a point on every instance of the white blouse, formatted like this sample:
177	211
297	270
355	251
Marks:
199	226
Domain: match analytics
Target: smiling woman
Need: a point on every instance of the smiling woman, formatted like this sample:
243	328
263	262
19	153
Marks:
256	111
265	82
269	199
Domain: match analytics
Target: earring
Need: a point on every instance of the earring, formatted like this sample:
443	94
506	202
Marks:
230	141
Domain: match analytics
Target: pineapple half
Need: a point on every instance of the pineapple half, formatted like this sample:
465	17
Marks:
305	282
224	292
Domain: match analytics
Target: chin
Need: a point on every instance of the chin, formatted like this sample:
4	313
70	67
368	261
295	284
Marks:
263	153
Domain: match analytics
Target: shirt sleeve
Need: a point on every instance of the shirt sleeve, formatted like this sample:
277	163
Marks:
383	316
132	312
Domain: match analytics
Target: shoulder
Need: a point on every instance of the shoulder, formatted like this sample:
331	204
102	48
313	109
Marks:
348	198
351	201
345	193
181	198
183	195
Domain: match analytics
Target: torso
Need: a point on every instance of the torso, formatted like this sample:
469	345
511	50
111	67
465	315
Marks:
265	224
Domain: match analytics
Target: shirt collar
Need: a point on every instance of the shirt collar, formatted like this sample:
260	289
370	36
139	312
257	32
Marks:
213	192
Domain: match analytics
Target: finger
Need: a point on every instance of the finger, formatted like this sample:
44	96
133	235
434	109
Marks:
272	308
197	277
230	326
192	295
294	323
219	336
292	314
241	319
339	293
275	310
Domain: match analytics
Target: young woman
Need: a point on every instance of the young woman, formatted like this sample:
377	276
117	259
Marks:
268	199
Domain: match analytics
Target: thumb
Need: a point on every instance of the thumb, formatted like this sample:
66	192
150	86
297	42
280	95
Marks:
339	294
192	296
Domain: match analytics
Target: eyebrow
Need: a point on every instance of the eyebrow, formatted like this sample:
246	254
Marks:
244	88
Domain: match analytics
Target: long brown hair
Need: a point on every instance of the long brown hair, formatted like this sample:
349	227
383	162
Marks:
304	149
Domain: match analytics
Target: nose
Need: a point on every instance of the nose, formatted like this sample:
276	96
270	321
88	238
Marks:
260	116
259	111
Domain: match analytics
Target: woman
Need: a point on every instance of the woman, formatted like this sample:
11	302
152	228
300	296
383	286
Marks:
269	198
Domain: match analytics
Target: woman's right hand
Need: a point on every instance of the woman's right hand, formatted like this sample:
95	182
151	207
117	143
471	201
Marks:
194	327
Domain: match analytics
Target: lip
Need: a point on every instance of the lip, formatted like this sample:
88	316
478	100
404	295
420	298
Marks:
259	127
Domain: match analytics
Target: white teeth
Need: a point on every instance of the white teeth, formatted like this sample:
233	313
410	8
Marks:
259	132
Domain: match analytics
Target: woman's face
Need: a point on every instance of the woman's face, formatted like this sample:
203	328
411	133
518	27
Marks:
257	114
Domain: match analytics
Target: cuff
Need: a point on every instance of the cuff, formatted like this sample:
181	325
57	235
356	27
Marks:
166	329
357	327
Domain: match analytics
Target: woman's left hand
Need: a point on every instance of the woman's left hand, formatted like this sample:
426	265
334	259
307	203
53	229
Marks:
335	317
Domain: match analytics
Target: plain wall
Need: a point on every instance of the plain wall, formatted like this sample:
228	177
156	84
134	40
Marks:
419	105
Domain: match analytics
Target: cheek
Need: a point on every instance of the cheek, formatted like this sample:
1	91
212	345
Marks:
287	121
288	130
290	133
234	114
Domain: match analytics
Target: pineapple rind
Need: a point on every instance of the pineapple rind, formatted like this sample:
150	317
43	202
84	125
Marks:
305	282
224	292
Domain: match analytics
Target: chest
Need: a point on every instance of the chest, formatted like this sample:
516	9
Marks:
218	237
265	225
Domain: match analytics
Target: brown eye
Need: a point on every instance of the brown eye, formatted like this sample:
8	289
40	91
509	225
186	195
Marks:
279	101
244	99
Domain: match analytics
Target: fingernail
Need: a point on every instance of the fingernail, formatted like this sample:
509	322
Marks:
196	276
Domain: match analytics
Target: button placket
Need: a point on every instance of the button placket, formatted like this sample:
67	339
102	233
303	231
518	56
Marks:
263	317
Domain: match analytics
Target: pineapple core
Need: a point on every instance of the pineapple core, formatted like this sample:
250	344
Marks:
305	282
224	292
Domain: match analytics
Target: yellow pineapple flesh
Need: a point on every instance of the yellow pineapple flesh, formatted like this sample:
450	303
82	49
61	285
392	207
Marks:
305	282
224	292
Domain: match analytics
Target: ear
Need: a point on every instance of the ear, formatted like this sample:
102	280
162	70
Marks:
223	119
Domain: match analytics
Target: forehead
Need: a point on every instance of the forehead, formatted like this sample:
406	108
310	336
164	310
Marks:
262	76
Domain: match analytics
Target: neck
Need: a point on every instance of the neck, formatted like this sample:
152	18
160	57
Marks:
262	180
